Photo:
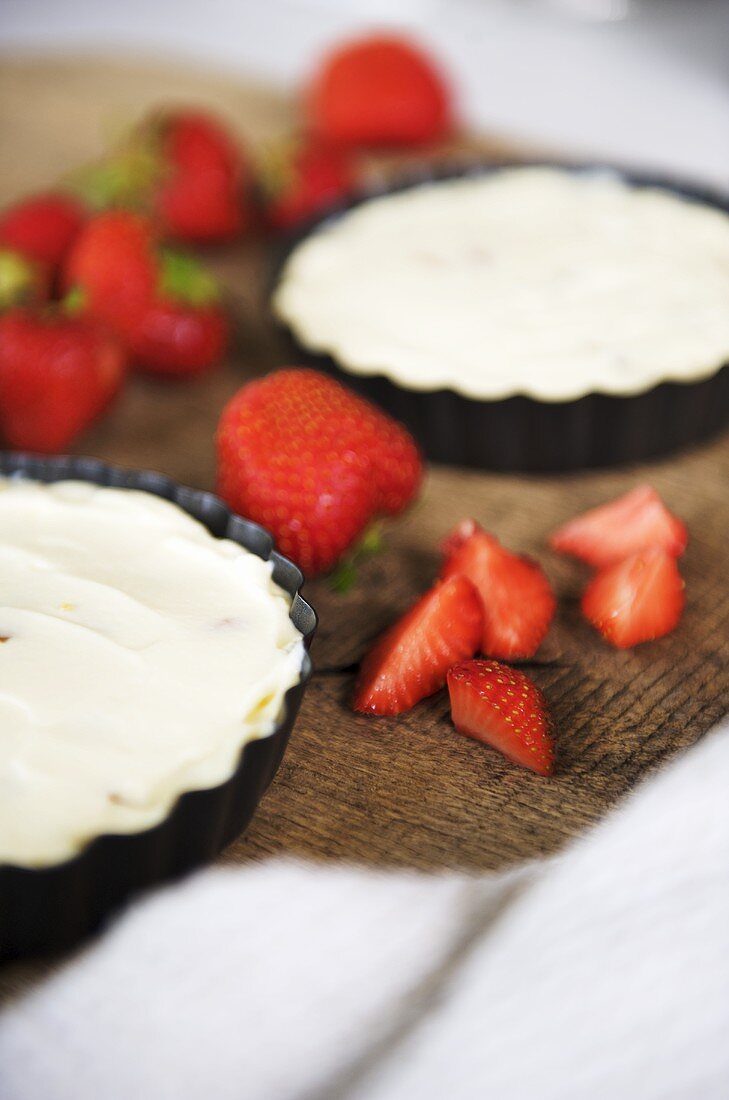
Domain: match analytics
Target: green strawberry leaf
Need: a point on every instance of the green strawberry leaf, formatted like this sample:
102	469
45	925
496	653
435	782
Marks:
183	279
17	279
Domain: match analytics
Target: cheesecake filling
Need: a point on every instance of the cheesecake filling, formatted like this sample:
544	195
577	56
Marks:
138	654
526	280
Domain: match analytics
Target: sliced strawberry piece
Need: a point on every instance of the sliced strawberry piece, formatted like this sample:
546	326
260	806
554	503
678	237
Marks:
637	600
412	658
505	709
455	539
624	526
518	602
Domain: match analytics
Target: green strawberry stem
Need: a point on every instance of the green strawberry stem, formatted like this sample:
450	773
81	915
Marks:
126	177
74	301
345	575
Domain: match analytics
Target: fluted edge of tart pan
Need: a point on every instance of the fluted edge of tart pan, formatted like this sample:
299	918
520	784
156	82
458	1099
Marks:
52	908
523	433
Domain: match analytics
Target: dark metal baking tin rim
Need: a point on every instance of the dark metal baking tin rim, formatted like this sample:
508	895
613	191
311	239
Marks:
52	908
522	433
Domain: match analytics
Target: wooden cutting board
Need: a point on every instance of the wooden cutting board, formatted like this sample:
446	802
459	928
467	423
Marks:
408	792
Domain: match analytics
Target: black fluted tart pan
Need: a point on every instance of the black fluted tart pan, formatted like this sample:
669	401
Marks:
52	908
523	433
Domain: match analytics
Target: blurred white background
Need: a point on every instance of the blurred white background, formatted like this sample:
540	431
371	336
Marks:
641	81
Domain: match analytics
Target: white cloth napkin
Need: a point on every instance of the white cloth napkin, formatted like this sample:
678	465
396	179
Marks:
601	973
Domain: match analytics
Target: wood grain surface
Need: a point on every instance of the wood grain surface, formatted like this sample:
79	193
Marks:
405	792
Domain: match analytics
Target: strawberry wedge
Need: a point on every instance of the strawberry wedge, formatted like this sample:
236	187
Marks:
637	600
411	660
613	531
518	602
503	708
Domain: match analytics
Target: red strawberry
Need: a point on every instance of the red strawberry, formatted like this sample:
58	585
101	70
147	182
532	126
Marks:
379	90
397	466
633	522
299	179
411	660
518	601
22	281
312	462
57	374
636	600
455	539
183	330
505	709
162	304
114	263
175	340
183	169
42	227
200	196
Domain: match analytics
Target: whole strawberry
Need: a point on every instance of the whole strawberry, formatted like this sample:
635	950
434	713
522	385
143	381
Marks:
114	263
201	194
57	375
174	340
161	304
314	463
42	227
182	169
379	90
299	178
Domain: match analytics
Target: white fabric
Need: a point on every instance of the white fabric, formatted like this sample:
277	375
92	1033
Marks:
601	973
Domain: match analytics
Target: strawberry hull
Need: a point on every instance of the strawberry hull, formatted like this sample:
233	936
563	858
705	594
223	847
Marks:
523	433
53	908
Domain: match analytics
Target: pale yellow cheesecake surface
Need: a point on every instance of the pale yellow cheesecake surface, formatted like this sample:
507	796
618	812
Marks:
138	654
527	280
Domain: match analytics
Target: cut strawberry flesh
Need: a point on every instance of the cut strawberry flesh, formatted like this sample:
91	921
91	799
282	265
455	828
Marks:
518	602
637	600
503	708
455	539
411	660
614	531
